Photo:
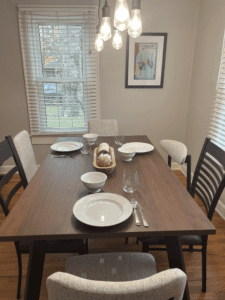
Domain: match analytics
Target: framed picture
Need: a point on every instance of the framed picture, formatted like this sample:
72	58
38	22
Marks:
145	62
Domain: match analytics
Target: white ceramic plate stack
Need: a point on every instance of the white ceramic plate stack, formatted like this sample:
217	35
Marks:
102	210
66	146
139	147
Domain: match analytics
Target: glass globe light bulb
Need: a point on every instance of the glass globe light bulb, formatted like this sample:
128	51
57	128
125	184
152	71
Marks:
135	26
99	44
117	39
121	15
105	29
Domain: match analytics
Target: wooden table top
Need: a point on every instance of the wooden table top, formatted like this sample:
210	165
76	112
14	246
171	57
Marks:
45	209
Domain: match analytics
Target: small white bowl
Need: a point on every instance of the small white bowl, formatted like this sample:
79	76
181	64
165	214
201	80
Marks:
127	154
94	181
91	138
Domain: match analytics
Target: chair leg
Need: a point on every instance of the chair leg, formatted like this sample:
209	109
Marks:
169	161
86	246
204	260
126	241
19	269
188	161
190	248
145	247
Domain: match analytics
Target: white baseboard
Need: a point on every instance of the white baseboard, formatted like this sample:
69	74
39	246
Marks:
5	169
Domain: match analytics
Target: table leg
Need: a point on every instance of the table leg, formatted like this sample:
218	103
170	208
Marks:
34	271
176	259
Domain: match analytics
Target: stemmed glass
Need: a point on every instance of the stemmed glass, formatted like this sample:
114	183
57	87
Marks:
119	139
130	180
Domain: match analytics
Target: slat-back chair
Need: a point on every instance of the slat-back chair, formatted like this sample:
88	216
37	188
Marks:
208	183
7	150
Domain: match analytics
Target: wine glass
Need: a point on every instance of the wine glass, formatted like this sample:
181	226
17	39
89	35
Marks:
119	139
130	180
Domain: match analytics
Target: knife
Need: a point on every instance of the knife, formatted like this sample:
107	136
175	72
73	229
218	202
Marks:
142	215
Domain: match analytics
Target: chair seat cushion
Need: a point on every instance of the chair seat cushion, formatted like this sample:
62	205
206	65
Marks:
176	150
112	266
185	240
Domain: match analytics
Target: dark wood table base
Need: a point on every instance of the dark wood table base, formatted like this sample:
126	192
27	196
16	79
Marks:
35	271
176	259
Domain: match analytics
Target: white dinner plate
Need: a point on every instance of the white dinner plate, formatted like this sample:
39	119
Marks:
139	147
66	146
102	210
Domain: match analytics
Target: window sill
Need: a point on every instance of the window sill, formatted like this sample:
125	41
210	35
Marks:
49	140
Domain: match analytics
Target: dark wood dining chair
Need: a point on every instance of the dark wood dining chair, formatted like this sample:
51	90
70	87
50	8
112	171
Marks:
7	150
208	183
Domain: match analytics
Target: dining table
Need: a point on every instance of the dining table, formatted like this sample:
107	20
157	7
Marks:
45	209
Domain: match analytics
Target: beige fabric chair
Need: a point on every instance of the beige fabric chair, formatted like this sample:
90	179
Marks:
115	276
175	149
178	152
103	127
26	153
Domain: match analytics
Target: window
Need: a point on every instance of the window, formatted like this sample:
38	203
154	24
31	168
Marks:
217	126
60	67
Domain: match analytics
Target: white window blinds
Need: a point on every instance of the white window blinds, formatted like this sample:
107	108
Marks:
217	125
60	67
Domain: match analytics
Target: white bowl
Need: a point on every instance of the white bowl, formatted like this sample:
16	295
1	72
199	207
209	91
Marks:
94	181
91	138
127	154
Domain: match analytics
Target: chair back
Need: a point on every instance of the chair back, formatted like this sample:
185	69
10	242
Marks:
209	177
7	150
26	153
166	285
103	127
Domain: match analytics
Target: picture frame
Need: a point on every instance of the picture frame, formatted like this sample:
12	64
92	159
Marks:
145	60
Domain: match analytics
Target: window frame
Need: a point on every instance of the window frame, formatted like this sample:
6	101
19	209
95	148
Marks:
36	138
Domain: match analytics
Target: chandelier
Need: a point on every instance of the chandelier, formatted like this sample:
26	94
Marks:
122	21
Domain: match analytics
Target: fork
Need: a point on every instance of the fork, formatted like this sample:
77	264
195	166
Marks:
134	206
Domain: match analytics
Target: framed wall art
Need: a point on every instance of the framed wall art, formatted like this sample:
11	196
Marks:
145	61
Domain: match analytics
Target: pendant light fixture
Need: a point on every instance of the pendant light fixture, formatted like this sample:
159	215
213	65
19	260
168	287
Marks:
105	29
117	39
121	15
122	21
135	26
99	44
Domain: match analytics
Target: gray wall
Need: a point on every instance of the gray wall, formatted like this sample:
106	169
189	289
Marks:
207	55
159	113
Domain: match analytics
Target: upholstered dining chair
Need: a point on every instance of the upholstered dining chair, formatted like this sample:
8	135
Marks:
26	153
208	183
115	276
178	152
103	127
7	150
